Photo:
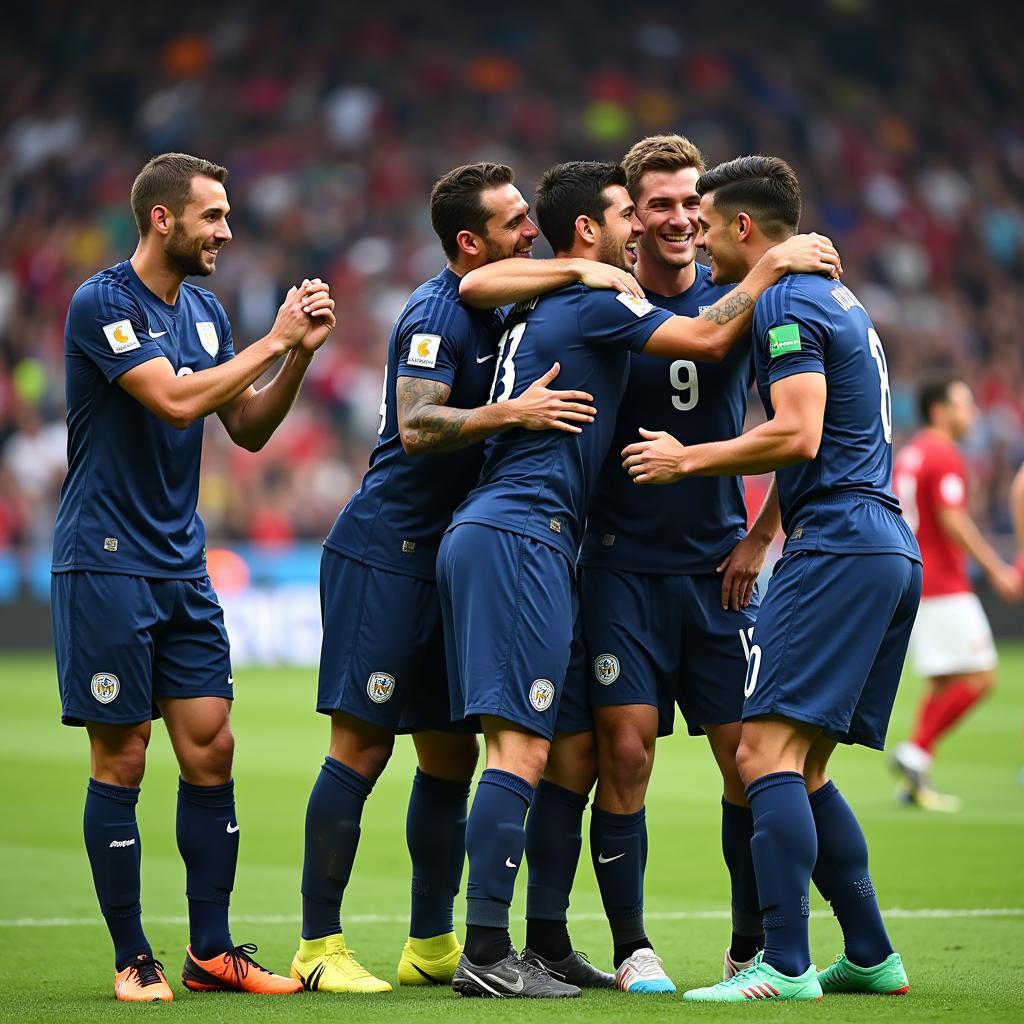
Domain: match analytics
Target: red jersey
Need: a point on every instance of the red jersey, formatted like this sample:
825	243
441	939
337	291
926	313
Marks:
929	474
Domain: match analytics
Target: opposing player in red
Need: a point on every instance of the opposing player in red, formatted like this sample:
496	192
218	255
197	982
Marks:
952	644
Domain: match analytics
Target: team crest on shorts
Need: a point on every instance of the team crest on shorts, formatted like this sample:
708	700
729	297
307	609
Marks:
606	668
380	686
542	693
105	687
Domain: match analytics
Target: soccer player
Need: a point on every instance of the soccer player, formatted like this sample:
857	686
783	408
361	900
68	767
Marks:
506	565
138	631
951	645
667	587
833	628
382	664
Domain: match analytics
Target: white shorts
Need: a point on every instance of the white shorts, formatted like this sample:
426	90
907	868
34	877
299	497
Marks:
951	637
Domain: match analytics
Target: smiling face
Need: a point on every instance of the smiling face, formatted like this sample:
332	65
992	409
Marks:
667	204
200	231
718	239
509	231
617	241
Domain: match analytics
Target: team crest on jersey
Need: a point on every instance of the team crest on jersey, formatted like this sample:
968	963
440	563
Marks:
423	350
606	668
542	693
105	687
380	686
121	336
208	336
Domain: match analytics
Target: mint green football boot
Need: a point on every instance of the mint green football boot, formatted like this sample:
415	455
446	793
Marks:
759	981
885	979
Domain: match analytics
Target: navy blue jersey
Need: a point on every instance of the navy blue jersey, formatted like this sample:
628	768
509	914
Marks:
539	483
128	504
841	500
689	526
397	517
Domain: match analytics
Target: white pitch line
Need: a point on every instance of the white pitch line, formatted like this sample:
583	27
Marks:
671	915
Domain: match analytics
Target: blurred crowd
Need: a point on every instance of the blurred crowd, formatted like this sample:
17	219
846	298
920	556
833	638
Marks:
905	123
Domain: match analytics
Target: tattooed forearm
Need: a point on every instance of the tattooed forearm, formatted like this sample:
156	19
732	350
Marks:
729	308
427	424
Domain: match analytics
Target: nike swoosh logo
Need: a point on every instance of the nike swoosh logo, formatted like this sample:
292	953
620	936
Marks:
483	359
429	977
602	859
157	334
517	987
509	864
232	828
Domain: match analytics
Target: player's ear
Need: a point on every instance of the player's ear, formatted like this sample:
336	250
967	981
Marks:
161	220
585	229
743	226
469	243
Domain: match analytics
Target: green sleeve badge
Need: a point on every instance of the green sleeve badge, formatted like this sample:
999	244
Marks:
783	339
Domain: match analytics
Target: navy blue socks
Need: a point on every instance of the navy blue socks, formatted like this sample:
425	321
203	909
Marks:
618	846
207	833
495	840
554	839
784	847
332	836
115	854
435	831
841	876
747	926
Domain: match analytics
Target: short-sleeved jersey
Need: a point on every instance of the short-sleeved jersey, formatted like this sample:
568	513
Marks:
405	502
840	501
929	475
128	504
539	483
690	526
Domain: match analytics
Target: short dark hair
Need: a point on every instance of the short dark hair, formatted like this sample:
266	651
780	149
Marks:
166	180
455	203
765	187
933	390
572	188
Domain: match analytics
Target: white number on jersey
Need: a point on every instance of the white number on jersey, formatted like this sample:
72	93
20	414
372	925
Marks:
875	345
383	410
683	376
506	362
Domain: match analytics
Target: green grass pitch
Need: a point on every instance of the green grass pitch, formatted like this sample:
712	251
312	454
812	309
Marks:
954	884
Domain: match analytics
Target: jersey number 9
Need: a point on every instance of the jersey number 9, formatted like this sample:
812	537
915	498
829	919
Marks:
682	375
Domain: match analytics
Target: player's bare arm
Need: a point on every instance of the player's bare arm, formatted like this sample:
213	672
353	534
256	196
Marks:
743	564
793	435
710	336
252	417
427	424
1017	515
516	279
957	524
180	401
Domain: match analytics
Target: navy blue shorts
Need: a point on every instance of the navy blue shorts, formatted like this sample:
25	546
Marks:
123	642
382	658
665	641
510	608
830	642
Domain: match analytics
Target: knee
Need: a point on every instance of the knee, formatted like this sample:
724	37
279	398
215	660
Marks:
748	761
627	759
210	762
462	761
123	766
456	761
369	757
984	683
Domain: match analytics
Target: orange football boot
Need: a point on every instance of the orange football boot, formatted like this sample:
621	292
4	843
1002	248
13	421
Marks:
235	971
142	981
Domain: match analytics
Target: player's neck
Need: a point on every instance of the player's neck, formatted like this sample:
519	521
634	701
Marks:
663	279
153	272
940	433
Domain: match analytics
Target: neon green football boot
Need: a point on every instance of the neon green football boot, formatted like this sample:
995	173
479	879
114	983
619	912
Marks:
885	979
759	981
429	961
